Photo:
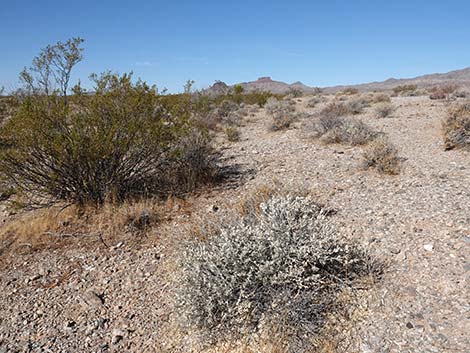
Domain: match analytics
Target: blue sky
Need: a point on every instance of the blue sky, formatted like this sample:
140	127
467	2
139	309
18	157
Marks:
320	43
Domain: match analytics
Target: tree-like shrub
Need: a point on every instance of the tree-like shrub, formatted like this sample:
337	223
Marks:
283	267
113	144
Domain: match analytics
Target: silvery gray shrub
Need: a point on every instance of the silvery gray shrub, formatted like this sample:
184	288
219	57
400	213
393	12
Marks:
282	266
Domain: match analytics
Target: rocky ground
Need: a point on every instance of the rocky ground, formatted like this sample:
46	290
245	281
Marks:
87	297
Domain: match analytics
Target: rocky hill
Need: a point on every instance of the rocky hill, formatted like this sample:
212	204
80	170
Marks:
263	84
459	77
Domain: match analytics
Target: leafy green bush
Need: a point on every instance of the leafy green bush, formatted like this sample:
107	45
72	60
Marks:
116	143
283	267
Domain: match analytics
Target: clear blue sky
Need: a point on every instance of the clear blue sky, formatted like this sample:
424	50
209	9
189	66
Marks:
317	42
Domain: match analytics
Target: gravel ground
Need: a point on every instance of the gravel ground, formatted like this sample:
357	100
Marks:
97	299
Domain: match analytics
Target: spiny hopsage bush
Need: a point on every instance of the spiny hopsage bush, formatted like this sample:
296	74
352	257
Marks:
282	267
110	145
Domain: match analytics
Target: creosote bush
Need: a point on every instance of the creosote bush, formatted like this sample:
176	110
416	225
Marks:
112	145
348	131
382	155
282	113
284	267
456	127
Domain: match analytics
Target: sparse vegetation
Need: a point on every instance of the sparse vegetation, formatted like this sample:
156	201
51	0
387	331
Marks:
232	133
381	98
349	91
314	101
382	155
348	131
443	92
333	110
282	113
353	106
384	110
456	127
282	269
405	90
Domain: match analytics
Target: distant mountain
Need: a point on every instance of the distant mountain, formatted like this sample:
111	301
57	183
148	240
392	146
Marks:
263	84
459	77
266	84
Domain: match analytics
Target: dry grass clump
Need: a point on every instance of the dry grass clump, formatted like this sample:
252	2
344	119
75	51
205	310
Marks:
456	127
405	90
353	106
346	131
356	106
442	92
384	110
282	113
334	109
107	225
382	155
349	91
381	98
283	269
314	101
232	133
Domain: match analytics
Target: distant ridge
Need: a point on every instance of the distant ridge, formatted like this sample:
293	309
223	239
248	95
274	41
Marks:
263	84
266	84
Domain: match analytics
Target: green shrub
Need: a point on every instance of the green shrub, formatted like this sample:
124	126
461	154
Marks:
114	144
284	267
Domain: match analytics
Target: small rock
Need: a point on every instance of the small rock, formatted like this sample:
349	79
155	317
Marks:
93	299
213	208
117	335
69	324
428	247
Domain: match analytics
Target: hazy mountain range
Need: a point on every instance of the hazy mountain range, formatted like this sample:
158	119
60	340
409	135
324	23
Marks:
459	77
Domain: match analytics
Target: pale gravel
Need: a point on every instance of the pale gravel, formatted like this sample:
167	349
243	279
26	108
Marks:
418	221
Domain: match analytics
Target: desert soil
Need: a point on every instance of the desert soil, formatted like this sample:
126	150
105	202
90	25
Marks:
86	297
